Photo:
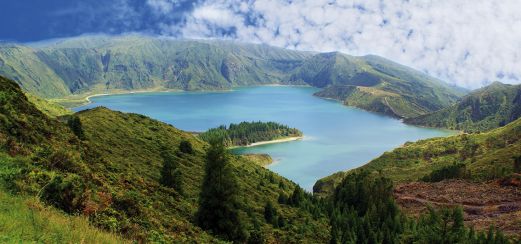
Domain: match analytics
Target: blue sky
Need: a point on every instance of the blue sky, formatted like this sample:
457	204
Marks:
35	20
468	43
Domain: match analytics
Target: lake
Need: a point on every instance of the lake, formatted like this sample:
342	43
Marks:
336	137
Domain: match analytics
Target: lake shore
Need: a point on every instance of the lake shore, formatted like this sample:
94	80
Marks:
79	100
286	139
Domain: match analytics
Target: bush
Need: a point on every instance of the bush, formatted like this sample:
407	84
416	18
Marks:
66	193
186	147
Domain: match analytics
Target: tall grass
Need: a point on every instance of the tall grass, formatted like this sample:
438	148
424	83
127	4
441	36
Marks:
26	219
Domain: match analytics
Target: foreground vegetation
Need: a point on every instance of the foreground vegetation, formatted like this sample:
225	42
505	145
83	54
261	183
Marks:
150	182
246	133
26	219
111	167
363	210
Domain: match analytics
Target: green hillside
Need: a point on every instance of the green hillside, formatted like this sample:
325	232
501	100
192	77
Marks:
49	108
106	166
98	64
484	156
375	84
487	108
150	182
26	219
104	64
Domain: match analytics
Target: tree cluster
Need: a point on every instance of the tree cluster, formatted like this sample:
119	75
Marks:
245	133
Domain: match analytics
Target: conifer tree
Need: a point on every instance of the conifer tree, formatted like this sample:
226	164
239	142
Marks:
171	175
218	202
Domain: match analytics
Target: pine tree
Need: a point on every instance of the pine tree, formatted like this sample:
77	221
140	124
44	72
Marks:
270	213
171	175
218	202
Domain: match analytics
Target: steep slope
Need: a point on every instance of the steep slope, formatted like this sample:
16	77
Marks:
27	219
49	108
22	64
132	62
109	64
484	109
375	84
107	167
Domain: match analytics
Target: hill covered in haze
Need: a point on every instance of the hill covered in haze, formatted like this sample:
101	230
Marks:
106	64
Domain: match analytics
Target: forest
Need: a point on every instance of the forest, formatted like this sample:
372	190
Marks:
246	133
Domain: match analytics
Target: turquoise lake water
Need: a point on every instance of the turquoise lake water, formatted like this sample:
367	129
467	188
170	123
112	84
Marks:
336	137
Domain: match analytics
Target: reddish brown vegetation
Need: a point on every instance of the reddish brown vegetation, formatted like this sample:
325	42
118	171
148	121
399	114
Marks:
495	203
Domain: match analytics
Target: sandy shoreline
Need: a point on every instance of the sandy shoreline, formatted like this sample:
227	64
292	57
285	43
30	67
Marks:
79	100
287	139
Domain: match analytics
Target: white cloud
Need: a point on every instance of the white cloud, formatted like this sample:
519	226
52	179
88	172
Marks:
161	6
469	43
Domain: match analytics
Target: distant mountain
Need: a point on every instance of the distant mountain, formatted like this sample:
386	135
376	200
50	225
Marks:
487	108
105	64
376	84
78	65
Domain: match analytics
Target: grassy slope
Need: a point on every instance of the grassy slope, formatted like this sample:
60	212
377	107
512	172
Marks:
118	165
259	159
134	157
27	219
22	64
487	156
376	84
481	110
102	64
49	108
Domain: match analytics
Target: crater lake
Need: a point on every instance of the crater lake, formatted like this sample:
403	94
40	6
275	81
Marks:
336	137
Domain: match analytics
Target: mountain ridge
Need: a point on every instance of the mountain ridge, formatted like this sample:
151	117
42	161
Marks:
103	64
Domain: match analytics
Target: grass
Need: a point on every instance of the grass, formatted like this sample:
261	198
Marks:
25	218
111	174
259	159
486	156
484	109
48	107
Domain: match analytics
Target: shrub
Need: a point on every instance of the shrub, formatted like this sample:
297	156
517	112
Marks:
66	193
186	147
